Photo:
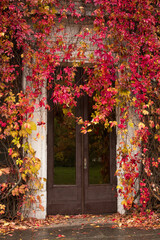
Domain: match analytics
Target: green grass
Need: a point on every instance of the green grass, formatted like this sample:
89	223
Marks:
95	175
67	175
64	176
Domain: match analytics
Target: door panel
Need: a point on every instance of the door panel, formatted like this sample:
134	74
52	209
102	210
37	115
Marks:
98	149
88	159
101	198
64	148
99	155
62	197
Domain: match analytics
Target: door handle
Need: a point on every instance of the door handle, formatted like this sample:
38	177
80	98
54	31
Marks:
85	163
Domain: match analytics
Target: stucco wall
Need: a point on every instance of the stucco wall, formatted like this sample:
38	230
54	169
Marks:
130	134
40	146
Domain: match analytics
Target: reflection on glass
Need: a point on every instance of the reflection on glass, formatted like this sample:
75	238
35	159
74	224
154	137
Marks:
99	152
99	156
64	148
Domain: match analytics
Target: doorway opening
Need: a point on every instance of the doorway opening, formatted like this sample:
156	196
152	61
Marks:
81	167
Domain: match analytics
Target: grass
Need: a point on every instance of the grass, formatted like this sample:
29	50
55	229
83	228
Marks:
67	175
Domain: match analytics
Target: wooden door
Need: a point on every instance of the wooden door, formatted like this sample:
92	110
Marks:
80	167
99	157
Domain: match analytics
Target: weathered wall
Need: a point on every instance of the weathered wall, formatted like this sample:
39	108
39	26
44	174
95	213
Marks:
40	146
130	133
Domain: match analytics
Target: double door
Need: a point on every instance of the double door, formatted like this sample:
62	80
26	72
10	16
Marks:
81	166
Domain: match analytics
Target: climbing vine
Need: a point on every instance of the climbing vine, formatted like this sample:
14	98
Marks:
117	44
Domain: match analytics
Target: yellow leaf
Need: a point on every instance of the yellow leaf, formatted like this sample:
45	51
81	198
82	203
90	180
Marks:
131	124
33	125
18	145
33	11
15	154
145	112
31	150
24	176
14	133
65	111
119	187
123	202
89	130
131	141
22	217
22	133
80	121
29	131
54	10
46	7
141	125
6	224
1	34
29	127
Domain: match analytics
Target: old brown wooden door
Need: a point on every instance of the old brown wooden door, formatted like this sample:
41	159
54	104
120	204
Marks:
80	167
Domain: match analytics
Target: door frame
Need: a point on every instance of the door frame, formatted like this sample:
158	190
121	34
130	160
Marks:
80	197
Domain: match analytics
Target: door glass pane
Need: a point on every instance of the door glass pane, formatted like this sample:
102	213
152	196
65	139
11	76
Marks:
99	156
99	152
64	148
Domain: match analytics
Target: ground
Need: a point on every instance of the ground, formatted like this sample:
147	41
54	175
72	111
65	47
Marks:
149	221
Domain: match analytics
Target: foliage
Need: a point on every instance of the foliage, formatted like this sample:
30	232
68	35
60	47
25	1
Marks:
136	221
117	45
